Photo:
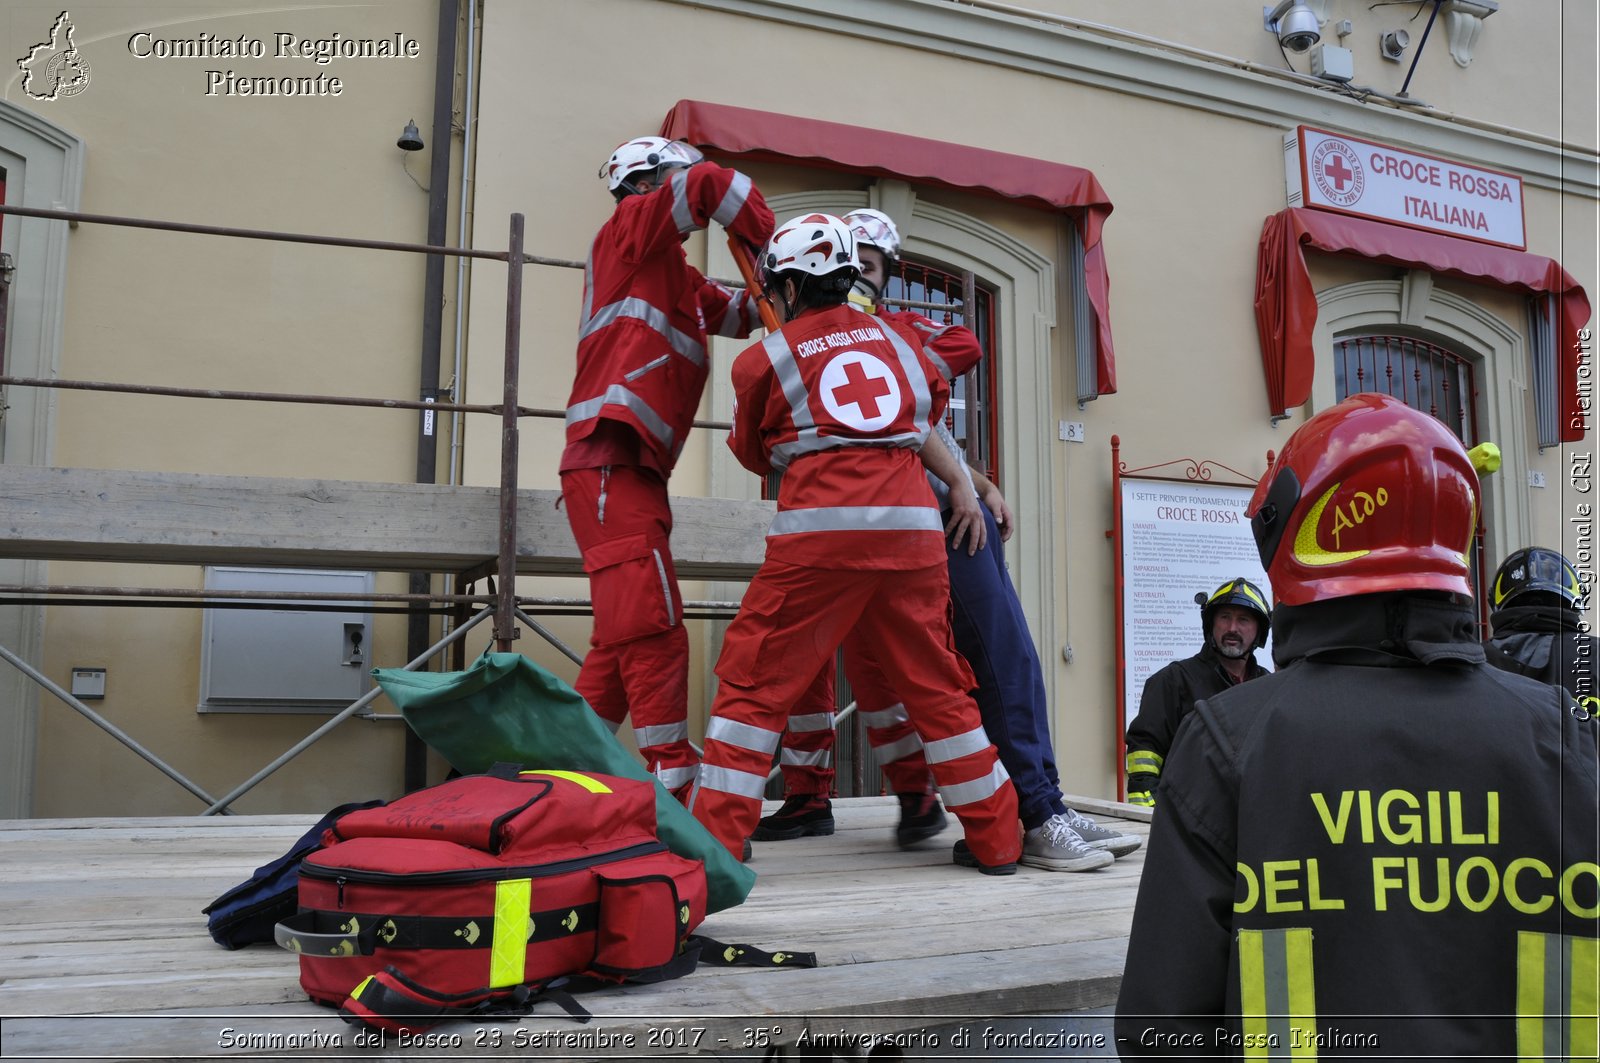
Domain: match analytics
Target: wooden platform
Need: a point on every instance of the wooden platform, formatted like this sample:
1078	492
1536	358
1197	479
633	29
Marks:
185	518
105	952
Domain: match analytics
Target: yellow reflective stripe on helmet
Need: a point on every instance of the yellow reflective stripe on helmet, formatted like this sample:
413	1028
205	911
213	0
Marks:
508	955
1242	587
593	785
1277	993
1307	550
1558	996
1147	761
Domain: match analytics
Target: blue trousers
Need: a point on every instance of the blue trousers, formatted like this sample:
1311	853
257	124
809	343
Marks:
992	633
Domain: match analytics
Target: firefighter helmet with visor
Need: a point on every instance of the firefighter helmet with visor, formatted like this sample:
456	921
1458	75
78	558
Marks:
1536	576
1368	496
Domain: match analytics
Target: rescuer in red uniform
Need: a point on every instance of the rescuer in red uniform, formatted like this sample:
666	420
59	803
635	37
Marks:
843	405
642	356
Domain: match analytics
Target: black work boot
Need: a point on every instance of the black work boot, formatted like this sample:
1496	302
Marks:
921	817
801	815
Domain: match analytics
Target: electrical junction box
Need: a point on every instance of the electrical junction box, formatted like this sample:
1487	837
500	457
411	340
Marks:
1332	63
279	656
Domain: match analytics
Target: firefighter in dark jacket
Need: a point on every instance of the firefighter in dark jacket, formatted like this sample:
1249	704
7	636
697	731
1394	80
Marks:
1538	624
1234	622
1386	848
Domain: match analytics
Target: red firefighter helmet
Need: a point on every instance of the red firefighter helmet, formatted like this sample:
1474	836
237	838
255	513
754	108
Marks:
1367	496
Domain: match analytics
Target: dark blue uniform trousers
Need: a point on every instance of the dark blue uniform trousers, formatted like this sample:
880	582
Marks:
992	633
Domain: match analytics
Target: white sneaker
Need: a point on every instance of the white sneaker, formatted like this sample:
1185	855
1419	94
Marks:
1097	837
1055	846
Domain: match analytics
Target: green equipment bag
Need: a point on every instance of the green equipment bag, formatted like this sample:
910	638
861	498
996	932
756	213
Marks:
505	709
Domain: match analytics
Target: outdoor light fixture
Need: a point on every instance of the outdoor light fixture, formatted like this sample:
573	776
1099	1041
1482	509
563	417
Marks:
1393	44
411	138
1294	23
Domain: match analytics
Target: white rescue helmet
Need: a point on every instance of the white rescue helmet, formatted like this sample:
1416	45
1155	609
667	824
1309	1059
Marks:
874	228
816	244
646	154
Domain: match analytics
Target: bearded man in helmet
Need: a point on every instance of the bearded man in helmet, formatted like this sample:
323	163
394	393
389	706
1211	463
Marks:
1387	848
1234	621
1538	623
842	407
642	365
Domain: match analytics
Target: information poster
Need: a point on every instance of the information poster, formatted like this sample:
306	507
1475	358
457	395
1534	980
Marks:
1178	539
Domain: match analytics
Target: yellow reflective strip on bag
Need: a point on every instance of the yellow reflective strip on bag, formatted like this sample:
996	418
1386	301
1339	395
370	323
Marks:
508	956
1277	993
593	785
1584	1009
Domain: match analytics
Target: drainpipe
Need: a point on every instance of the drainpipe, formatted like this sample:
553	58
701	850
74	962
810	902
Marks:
417	634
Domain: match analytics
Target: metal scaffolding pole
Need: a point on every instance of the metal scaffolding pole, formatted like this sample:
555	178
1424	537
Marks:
348	711
104	724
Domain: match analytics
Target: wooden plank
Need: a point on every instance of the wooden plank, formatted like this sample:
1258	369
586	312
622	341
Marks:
187	518
106	945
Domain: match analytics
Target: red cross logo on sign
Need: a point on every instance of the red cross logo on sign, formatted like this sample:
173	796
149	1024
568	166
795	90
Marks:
860	391
1337	172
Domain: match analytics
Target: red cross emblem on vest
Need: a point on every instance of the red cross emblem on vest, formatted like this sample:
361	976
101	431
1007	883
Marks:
860	391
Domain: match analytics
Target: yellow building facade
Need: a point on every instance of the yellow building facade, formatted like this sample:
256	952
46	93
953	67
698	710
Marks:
1178	110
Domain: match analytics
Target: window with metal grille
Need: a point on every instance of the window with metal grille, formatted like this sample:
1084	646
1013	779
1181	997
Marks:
1426	377
973	416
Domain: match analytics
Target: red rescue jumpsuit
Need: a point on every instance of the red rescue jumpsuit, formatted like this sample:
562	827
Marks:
641	369
808	742
856	548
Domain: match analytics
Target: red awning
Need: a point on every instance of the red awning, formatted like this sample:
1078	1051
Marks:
1286	304
768	137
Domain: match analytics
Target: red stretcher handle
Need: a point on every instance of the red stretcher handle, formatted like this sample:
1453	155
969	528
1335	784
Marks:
747	270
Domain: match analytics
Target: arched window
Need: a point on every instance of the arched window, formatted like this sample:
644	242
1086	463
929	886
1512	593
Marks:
974	413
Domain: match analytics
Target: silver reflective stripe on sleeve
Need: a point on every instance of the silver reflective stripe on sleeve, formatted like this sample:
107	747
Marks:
732	200
956	746
888	717
660	734
743	735
737	316
856	518
617	395
914	374
679	184
666	588
654	363
899	749
673	778
966	793
640	310
732	781
811	721
802	758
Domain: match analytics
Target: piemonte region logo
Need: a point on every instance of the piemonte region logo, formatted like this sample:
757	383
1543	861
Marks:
1337	170
55	69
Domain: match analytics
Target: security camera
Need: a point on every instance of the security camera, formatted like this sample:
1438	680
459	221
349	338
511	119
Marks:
1294	23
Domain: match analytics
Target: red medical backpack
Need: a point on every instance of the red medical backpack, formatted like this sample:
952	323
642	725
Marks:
484	889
